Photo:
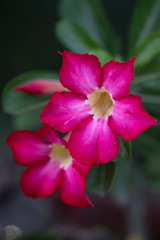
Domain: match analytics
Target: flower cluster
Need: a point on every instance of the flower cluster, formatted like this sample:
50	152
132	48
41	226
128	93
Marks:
96	109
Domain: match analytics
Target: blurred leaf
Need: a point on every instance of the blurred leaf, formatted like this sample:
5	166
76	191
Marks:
102	55
147	51
146	77
149	141
74	37
150	93
150	167
37	236
122	185
19	102
125	149
153	180
89	15
148	87
152	67
151	98
29	120
100	179
146	20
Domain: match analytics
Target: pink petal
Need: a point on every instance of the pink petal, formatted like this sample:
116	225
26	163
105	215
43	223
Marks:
80	73
40	87
27	147
72	189
93	142
41	180
82	168
65	110
48	133
129	118
117	76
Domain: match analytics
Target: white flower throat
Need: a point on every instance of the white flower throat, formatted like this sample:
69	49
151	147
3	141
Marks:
101	103
60	154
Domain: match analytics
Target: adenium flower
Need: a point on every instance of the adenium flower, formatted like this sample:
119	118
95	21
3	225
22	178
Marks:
97	109
40	87
50	166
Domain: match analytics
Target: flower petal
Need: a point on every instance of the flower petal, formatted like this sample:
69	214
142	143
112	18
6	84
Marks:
129	118
93	142
65	110
116	77
27	147
72	188
80	73
82	168
40	87
41	180
50	134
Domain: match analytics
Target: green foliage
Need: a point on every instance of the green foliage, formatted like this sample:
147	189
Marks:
89	19
123	183
104	56
147	50
125	149
19	103
146	77
148	87
152	169
68	33
152	66
145	21
100	179
29	120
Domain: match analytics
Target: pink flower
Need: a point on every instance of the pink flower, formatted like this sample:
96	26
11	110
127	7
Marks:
40	87
97	109
51	166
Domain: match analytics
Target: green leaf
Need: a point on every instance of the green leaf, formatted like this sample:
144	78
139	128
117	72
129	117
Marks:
38	236
152	67
146	77
125	149
100	179
147	148
122	185
151	98
74	37
147	51
29	120
152	170
151	143
18	102
145	21
104	56
149	91
89	15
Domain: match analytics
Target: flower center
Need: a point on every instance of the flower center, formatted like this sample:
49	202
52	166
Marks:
60	154
101	103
